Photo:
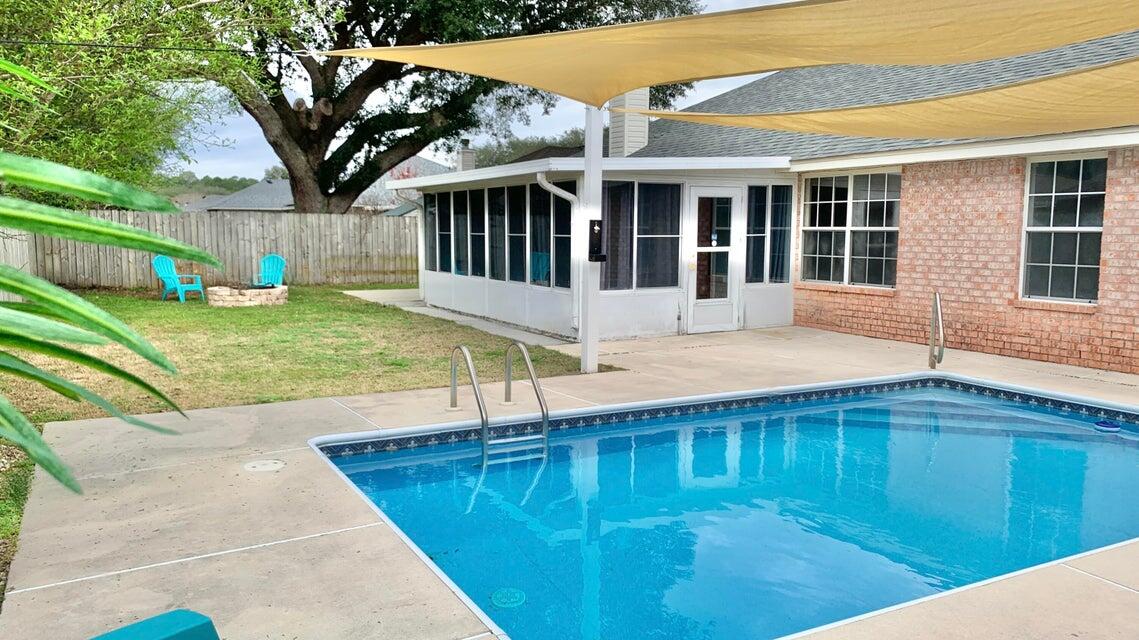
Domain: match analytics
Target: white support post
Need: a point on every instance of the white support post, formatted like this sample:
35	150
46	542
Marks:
589	209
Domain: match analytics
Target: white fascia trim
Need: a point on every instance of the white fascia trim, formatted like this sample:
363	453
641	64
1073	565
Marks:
571	165
1065	143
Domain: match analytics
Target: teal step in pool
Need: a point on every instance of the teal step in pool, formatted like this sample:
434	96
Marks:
757	516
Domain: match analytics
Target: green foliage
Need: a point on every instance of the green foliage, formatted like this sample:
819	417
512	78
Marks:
51	315
510	147
188	182
277	173
122	113
340	139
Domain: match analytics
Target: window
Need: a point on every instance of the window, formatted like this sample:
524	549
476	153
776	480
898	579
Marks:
658	235
478	232
516	232
460	226
858	211
778	269
874	224
1064	228
756	233
496	212
539	236
563	212
444	232
430	214
617	217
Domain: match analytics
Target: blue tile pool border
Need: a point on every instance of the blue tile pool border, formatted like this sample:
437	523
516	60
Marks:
395	439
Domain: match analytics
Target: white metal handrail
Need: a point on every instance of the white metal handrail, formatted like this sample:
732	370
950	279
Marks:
474	384
509	374
936	333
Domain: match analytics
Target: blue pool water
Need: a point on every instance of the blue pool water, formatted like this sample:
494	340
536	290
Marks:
756	523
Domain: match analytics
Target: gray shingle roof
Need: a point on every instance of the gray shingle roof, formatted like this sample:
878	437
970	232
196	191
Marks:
839	86
266	195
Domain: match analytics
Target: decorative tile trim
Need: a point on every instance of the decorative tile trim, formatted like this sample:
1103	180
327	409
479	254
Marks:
1128	419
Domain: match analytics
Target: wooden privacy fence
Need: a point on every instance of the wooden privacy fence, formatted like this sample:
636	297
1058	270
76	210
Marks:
320	248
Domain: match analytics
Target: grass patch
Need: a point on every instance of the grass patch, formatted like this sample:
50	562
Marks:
321	343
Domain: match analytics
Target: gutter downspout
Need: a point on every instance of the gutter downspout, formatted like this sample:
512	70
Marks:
574	202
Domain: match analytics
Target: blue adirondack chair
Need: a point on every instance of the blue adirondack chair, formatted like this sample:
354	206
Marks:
272	271
172	281
179	624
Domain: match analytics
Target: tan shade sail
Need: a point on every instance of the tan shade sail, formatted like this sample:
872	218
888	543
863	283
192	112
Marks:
1093	98
594	65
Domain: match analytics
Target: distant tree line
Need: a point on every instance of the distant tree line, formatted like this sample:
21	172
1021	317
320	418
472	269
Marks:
510	147
189	182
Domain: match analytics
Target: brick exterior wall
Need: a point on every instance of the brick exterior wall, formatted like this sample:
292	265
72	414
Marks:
960	234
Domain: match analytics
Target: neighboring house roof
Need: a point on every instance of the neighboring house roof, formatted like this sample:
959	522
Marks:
270	194
200	204
275	194
838	86
404	209
555	151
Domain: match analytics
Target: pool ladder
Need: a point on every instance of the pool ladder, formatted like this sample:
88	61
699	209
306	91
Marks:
495	450
936	333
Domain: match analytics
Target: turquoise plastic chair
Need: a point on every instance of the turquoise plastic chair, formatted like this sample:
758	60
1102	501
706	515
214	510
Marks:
179	624
272	271
540	267
172	281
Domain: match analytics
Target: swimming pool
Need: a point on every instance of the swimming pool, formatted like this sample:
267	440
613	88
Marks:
756	515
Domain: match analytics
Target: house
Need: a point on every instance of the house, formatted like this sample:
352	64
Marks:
275	194
1032	242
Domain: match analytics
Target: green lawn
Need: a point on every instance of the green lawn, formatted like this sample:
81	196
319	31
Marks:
321	343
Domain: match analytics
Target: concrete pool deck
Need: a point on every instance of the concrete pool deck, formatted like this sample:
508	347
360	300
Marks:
187	521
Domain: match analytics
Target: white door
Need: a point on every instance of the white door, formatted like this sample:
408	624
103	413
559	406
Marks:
714	256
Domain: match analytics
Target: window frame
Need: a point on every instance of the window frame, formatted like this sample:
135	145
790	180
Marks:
769	199
847	230
635	286
1026	213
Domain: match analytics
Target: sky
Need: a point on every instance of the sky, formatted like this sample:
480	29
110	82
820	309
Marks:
245	152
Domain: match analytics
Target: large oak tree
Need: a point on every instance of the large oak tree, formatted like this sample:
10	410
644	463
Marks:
361	118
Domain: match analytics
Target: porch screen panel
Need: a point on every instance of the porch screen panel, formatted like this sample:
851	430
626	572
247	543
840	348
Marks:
780	234
462	249
756	233
539	236
477	200
563	211
658	235
430	216
496	212
445	232
617	222
516	232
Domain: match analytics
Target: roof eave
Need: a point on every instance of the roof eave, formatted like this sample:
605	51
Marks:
577	165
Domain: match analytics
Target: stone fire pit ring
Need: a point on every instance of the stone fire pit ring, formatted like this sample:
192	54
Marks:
246	296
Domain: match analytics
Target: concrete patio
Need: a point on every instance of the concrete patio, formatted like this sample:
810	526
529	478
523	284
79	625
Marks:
188	521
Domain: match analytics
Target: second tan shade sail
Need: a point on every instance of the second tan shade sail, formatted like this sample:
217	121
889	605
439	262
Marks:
1100	97
594	65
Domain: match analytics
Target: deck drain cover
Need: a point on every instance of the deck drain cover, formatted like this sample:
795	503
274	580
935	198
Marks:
264	465
508	598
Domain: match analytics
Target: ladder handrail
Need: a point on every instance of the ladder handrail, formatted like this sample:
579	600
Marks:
474	384
509	374
936	333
